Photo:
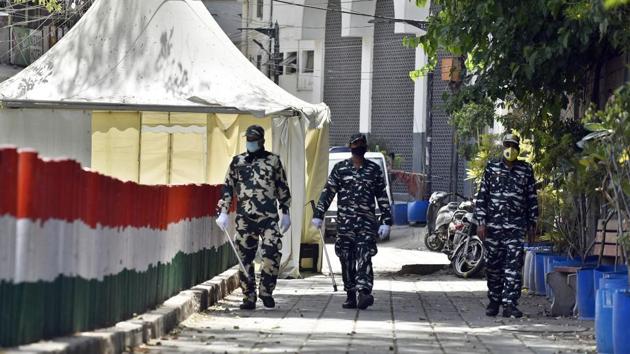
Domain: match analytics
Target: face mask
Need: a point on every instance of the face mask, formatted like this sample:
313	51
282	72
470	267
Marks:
510	154
252	146
359	151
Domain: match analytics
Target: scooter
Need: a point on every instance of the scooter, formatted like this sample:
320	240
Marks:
439	215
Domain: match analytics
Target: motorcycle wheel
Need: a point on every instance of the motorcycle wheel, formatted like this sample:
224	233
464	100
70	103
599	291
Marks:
468	261
433	242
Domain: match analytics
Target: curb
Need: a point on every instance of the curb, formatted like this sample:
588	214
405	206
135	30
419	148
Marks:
140	329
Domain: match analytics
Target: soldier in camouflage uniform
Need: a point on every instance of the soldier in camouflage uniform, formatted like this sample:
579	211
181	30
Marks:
506	208
357	182
259	182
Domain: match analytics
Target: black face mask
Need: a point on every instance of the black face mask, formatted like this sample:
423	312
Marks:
359	151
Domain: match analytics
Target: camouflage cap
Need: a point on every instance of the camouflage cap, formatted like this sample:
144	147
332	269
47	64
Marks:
356	137
255	131
511	138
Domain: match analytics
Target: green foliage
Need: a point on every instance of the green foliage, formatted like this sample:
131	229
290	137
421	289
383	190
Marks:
470	121
535	56
610	4
51	5
607	149
489	148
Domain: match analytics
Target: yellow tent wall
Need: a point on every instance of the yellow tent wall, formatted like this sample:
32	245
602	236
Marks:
169	148
177	148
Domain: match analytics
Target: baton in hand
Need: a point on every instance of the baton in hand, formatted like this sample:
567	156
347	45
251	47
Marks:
240	262
321	235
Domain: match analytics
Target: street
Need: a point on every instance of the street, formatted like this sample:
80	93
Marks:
435	313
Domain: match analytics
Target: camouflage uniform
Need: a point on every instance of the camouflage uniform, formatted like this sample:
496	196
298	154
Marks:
258	180
357	224
507	204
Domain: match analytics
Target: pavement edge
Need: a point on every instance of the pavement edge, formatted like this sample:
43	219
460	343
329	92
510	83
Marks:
140	329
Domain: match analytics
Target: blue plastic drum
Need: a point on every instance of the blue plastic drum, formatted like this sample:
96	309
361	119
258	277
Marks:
417	211
621	321
400	214
585	294
604	312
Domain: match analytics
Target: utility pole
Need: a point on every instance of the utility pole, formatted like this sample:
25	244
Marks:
275	63
274	48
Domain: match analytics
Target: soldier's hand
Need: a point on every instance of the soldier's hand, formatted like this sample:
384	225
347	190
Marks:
383	231
317	223
481	232
223	221
285	223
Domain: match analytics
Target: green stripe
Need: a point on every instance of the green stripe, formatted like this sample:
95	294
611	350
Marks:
41	310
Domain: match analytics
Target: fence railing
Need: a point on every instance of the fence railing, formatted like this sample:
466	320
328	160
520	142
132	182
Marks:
80	250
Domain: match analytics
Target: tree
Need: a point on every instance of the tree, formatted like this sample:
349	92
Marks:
534	56
51	5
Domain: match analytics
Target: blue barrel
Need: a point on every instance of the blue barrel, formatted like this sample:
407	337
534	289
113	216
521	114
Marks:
585	294
621	321
417	211
529	276
603	312
599	272
400	214
539	265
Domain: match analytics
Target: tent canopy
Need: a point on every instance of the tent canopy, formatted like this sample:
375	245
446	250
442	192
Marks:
160	55
138	56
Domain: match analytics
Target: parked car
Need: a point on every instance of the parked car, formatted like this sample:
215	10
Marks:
338	154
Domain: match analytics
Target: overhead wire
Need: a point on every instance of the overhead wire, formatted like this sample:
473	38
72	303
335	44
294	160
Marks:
79	7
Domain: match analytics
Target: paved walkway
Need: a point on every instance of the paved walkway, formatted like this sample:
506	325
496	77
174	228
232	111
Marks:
438	313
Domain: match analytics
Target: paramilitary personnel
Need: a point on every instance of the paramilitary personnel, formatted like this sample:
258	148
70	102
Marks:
506	208
258	180
357	182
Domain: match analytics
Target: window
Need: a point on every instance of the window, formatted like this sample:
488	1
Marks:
290	62
308	58
258	61
259	8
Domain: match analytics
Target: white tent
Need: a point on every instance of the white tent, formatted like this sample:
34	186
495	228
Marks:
152	57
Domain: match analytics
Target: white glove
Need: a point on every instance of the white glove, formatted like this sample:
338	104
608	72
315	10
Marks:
317	223
383	232
223	221
285	223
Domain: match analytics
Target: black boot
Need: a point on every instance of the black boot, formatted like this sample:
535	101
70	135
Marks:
268	301
351	300
512	311
249	303
365	299
492	309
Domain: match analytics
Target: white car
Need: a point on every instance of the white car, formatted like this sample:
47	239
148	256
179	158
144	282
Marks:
339	154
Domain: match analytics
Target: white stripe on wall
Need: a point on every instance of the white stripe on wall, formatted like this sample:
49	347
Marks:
45	251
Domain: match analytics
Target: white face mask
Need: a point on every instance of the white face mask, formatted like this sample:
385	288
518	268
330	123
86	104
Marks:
252	146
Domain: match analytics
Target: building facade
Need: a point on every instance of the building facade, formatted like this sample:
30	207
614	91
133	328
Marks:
349	54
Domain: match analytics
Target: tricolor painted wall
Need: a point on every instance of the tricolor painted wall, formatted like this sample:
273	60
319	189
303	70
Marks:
80	250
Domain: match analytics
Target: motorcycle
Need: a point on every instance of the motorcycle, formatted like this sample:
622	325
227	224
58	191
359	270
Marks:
451	229
439	215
